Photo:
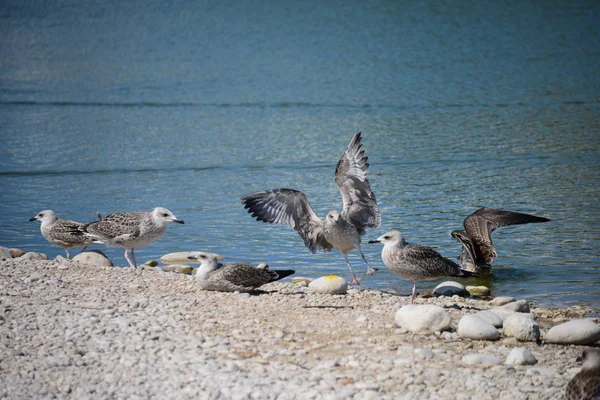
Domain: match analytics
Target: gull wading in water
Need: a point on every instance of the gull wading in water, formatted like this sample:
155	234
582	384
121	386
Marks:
129	230
586	384
59	232
340	230
416	262
478	250
231	277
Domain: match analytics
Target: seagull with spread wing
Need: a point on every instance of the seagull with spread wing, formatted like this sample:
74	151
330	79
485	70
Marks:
478	250
340	230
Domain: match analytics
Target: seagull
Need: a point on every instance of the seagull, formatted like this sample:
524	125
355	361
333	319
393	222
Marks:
129	230
231	277
478	250
59	232
340	230
416	262
586	384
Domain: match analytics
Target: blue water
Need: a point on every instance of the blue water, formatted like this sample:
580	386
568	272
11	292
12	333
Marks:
113	106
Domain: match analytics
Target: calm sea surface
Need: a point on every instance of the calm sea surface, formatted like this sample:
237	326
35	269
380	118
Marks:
110	106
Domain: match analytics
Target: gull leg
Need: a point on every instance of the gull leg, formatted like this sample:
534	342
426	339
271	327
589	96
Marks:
370	270
355	279
131	264
414	292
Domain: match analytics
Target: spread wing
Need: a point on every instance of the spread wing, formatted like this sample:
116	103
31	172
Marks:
480	225
288	207
359	204
469	253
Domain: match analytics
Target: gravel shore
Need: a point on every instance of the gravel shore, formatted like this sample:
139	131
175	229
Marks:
70	330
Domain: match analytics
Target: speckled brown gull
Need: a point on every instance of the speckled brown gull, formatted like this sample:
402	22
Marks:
59	232
586	384
340	230
232	277
130	230
416	262
478	250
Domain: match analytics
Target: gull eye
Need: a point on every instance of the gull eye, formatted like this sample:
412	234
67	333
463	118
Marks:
386	237
41	215
165	215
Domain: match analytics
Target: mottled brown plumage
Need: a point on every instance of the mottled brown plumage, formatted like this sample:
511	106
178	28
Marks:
60	232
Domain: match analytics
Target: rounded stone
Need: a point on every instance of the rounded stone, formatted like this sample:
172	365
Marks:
93	257
331	284
301	281
478	290
522	327
521	306
474	327
182	257
520	356
182	269
501	300
502	312
578	331
486	360
449	289
151	263
32	255
15	253
5	253
423	318
490	317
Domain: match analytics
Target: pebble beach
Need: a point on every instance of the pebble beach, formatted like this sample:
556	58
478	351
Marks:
73	330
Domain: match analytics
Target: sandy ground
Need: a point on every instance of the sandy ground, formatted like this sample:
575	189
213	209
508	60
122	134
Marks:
70	330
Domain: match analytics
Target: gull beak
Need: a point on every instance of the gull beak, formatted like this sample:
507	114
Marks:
32	218
375	241
179	221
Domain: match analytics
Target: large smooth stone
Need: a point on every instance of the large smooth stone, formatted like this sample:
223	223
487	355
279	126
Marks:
423	318
182	257
484	360
578	331
501	300
93	257
32	255
473	327
331	284
478	290
520	356
503	313
5	253
15	253
449	289
182	269
522	327
521	306
490	317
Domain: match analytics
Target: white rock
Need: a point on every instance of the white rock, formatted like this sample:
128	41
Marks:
490	317
5	253
423	317
329	285
520	356
501	300
481	359
93	257
578	331
522	326
521	306
182	257
32	255
449	289
473	327
478	290
502	312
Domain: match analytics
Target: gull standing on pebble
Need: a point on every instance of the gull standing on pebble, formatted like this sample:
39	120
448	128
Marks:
416	262
130	230
478	250
586	384
341	230
59	232
231	277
